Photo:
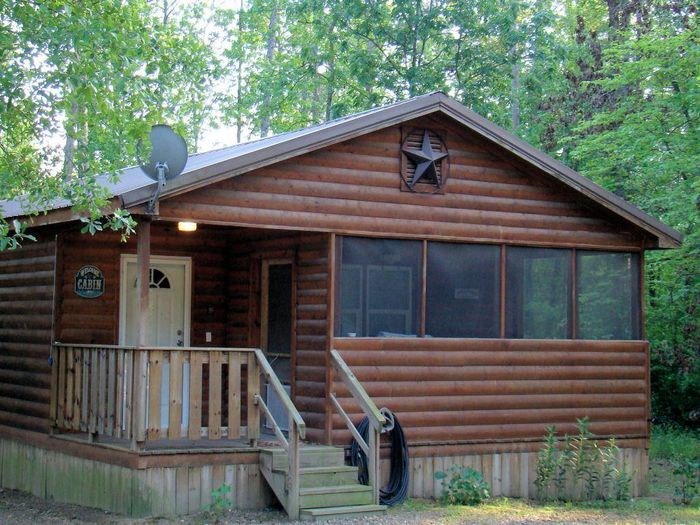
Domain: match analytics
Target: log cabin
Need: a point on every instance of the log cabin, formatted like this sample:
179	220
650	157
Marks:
415	256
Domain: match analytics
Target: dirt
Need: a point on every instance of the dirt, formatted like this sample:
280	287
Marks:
18	508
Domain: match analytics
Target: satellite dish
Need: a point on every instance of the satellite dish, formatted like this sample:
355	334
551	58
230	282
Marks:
167	160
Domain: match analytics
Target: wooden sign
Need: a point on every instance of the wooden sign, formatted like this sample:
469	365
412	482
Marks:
89	282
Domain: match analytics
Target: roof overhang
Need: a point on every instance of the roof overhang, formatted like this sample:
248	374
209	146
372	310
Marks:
215	166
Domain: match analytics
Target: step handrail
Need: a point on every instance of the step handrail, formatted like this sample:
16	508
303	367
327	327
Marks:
284	398
296	432
375	418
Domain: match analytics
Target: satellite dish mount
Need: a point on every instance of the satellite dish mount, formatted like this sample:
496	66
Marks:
167	160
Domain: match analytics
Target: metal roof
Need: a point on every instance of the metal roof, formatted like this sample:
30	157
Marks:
134	188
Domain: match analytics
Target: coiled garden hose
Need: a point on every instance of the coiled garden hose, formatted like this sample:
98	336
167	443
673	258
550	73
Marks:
397	489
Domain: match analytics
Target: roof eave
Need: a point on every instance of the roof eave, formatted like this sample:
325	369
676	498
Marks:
396	114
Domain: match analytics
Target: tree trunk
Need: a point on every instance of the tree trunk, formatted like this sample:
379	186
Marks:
239	80
271	44
515	95
71	142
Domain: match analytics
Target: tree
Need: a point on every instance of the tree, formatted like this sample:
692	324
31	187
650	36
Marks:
99	74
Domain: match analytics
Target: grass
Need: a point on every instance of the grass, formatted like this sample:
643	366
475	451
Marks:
667	444
674	443
502	511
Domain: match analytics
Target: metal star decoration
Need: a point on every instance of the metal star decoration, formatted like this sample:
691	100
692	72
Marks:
426	159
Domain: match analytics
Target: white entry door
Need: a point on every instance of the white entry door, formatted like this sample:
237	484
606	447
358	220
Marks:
168	315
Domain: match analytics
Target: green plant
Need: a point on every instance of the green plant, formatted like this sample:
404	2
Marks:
220	500
595	471
547	464
463	486
672	443
687	472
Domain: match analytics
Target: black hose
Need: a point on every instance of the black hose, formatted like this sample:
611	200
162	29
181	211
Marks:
397	489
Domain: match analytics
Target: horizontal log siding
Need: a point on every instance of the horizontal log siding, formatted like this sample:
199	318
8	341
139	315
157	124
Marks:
311	333
96	321
26	313
490	390
353	188
310	255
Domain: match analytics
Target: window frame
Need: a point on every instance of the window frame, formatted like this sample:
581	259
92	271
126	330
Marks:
573	285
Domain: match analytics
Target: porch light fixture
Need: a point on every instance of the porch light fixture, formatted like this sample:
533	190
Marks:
185	226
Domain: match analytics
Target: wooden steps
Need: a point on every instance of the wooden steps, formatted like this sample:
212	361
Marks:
328	489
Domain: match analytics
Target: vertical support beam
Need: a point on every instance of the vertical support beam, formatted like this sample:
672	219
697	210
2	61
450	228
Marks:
503	291
55	320
424	289
293	482
143	264
373	461
642	320
331	298
573	331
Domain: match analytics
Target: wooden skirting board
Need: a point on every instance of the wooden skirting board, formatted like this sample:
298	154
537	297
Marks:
179	488
157	491
510	474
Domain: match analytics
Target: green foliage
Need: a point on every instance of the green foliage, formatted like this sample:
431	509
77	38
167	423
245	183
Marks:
674	443
463	486
221	499
594	472
81	82
687	472
610	88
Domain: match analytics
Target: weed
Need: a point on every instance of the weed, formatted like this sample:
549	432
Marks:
595	471
220	500
687	472
463	486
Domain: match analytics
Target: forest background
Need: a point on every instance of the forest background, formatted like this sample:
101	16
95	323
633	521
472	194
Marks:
609	87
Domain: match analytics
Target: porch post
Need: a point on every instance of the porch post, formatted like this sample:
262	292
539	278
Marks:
143	264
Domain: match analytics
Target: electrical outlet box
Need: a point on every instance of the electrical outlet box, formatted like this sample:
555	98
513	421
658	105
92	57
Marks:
207	337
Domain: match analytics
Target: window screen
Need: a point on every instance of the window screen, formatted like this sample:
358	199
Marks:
538	292
607	295
463	290
380	287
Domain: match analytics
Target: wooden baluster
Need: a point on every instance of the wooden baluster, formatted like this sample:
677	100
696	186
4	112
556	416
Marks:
53	407
214	395
253	390
94	389
155	378
68	407
129	404
102	392
119	408
61	398
78	387
194	430
111	390
234	395
175	387
85	391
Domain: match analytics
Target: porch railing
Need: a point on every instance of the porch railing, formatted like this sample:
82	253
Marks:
188	393
375	418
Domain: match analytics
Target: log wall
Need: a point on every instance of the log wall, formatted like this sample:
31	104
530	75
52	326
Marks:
26	317
225	293
309	253
96	321
354	188
474	394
